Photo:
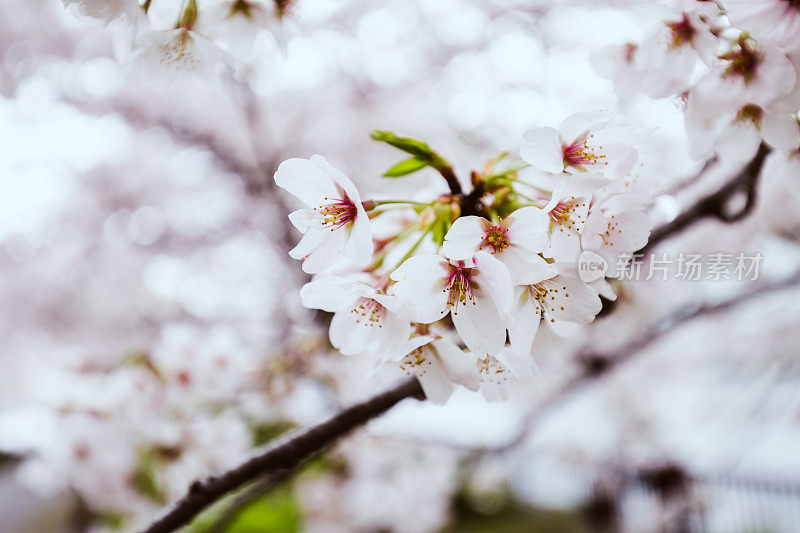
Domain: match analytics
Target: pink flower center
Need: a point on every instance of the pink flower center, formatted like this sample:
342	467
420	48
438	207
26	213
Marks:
565	214
369	312
580	153
459	285
682	31
495	239
337	213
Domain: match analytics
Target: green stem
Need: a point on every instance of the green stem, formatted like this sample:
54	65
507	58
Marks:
411	202
413	249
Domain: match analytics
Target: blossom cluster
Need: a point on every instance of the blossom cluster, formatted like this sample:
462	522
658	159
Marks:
194	36
733	66
494	263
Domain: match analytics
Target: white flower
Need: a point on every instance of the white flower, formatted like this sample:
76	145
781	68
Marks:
499	374
163	54
476	292
749	72
618	64
365	320
515	241
104	9
616	223
774	21
335	224
582	143
559	296
668	55
438	364
237	23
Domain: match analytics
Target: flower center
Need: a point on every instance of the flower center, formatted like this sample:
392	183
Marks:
751	113
491	371
742	61
565	214
682	31
581	153
460	286
496	239
369	312
544	294
339	212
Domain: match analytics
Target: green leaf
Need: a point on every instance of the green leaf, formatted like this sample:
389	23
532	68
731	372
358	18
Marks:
406	167
415	147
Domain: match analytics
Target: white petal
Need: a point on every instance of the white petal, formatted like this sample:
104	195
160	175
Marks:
329	293
306	180
338	177
359	243
542	149
328	253
481	326
460	365
464	238
781	132
420	282
494	280
525	322
528	227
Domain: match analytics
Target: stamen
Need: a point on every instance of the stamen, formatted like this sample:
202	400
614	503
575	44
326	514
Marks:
581	153
369	311
460	286
337	213
495	239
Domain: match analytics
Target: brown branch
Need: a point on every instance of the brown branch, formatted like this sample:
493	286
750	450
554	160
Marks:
717	203
285	455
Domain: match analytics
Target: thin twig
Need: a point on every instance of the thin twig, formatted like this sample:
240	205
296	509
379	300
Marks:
717	203
285	455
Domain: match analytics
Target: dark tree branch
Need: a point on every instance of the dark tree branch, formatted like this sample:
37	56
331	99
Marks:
285	455
717	204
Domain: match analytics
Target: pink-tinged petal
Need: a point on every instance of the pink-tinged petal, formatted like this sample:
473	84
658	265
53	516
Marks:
781	132
359	243
541	148
337	177
481	326
493	280
459	365
464	238
327	254
526	317
329	293
305	180
528	228
420	282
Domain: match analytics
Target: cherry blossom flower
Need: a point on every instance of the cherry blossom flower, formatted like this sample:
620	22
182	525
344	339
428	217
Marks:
668	55
752	72
774	21
181	51
335	224
560	296
476	293
438	364
515	240
498	374
365	320
237	23
582	143
104	9
618	64
616	223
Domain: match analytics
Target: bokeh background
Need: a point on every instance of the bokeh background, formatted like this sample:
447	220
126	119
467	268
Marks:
150	325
